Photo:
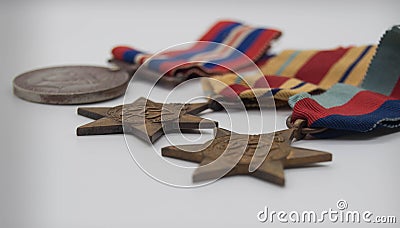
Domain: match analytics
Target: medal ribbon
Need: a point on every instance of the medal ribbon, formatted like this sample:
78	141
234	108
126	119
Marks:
253	42
346	108
295	71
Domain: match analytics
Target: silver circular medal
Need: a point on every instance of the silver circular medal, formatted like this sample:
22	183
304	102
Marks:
71	84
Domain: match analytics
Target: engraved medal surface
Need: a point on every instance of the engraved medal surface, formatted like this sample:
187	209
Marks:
234	154
144	118
71	85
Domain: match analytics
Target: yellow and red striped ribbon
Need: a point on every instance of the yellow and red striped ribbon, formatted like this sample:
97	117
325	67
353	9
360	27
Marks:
295	71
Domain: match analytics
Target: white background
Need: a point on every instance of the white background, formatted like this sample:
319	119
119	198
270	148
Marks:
52	178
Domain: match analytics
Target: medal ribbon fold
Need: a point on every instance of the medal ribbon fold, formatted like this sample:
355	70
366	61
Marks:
346	108
253	42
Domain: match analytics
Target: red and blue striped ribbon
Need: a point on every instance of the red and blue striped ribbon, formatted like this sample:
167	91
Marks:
345	108
253	42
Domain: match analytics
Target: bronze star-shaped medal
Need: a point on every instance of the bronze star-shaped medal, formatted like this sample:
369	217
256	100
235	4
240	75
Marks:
144	118
246	154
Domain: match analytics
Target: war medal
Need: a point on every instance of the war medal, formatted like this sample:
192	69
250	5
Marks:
71	84
342	109
144	118
271	159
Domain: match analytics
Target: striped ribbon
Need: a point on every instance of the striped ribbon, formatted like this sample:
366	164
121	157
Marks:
322	68
253	42
295	71
252	89
346	108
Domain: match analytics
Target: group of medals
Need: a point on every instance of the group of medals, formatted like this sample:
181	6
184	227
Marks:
332	93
